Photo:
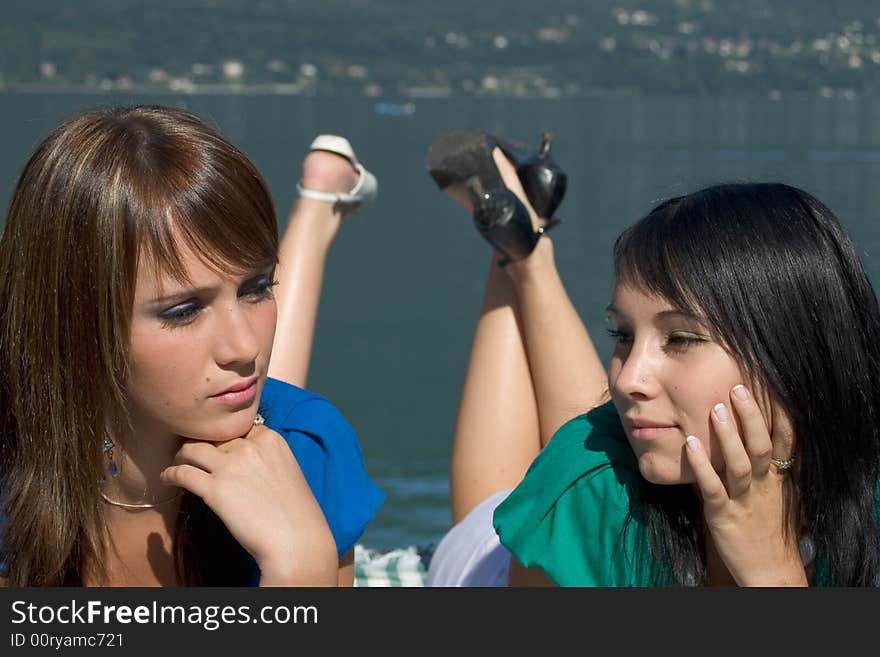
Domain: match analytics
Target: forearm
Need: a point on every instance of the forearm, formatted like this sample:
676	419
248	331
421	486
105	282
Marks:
346	569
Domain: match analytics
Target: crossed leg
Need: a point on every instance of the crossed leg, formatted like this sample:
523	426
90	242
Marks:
532	367
497	433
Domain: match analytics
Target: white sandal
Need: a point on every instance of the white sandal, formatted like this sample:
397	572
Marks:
363	193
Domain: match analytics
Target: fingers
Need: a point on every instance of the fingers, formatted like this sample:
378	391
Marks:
737	465
746	449
753	429
712	489
203	455
193	479
193	466
198	466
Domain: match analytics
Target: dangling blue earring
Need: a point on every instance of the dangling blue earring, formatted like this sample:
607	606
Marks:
112	470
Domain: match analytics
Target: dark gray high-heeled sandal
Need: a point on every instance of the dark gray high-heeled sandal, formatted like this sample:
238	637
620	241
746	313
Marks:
465	156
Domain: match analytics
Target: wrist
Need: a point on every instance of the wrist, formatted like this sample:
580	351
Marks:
788	573
310	565
311	572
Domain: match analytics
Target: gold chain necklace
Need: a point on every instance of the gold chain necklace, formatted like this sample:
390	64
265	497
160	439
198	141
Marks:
143	505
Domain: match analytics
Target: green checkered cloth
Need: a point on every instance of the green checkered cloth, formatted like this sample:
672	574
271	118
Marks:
399	567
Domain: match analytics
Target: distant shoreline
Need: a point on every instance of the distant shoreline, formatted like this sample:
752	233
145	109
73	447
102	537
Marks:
194	90
275	89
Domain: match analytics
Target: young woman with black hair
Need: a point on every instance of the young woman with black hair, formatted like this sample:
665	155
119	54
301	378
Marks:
741	442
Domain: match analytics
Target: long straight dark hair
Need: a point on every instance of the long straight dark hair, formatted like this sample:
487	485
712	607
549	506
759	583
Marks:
102	191
773	274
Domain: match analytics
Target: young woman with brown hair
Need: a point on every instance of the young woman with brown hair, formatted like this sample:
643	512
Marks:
141	440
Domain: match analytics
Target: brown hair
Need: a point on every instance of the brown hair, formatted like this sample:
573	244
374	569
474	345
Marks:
104	189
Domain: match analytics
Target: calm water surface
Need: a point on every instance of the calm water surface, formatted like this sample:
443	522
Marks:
404	279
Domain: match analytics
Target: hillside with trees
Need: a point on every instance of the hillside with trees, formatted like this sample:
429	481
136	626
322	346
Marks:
413	48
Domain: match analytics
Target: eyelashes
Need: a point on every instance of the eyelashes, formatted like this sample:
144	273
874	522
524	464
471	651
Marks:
683	339
254	291
259	288
180	314
618	336
673	341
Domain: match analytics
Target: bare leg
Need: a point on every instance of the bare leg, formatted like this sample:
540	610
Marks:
532	368
302	254
567	374
311	228
496	433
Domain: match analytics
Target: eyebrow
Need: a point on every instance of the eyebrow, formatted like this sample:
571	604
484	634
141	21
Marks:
186	293
663	314
182	294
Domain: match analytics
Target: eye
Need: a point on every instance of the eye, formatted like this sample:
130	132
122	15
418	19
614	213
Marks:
619	336
258	288
181	314
680	340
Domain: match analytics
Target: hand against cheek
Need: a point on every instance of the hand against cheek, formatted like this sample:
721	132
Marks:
257	489
744	511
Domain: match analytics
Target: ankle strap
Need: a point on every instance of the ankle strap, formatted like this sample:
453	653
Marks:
318	196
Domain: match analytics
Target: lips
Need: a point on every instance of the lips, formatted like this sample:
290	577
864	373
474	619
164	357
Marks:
238	387
645	429
239	394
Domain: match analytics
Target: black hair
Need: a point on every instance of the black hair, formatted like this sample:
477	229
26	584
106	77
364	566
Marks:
771	271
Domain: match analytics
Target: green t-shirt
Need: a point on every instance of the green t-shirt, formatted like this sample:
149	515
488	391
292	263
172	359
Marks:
571	514
579	486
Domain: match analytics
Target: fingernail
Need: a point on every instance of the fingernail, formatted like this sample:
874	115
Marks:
720	412
741	392
692	443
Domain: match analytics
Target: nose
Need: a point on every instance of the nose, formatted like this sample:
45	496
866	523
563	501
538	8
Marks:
636	378
236	342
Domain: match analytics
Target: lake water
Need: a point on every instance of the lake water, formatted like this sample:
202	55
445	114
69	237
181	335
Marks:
404	279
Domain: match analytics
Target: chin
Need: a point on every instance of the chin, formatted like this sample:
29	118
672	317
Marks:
220	431
664	471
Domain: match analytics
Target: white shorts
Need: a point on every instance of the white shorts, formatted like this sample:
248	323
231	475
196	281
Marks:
470	553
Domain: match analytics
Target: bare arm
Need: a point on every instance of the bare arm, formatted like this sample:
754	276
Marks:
346	569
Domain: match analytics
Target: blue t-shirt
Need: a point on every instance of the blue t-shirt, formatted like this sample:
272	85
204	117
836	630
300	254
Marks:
327	450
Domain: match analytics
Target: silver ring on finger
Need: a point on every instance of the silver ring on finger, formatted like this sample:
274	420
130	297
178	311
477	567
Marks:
783	464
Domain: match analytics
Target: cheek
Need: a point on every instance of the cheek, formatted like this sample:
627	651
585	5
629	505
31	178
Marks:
164	364
265	322
698	396
614	367
702	385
